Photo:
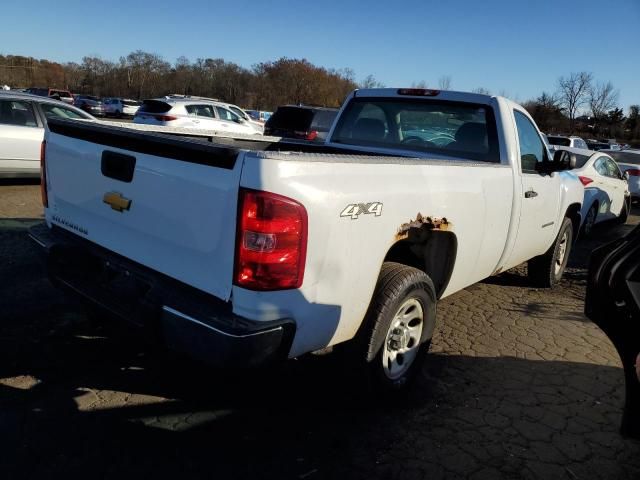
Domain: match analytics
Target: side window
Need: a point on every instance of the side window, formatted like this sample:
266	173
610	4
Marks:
200	111
17	113
225	114
238	112
612	168
601	166
532	149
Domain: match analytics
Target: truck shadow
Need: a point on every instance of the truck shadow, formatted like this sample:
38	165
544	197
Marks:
79	397
101	404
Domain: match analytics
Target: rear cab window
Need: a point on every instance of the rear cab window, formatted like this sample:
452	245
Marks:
450	128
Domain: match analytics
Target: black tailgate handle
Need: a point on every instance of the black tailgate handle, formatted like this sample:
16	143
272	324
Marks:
118	166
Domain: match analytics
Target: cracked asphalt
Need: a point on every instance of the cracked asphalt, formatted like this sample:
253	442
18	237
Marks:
519	384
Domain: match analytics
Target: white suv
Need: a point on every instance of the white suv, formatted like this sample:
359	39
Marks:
118	107
570	142
202	114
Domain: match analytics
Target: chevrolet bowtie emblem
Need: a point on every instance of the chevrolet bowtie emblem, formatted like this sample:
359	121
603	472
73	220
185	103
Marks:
117	201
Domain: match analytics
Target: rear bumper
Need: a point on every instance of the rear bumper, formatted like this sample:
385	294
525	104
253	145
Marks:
189	320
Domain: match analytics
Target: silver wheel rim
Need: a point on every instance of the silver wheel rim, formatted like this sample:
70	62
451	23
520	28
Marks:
590	220
562	252
403	339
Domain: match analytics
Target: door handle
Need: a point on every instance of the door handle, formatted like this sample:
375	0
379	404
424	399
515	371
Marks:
530	194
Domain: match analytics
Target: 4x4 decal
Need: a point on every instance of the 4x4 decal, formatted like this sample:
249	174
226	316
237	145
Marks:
353	210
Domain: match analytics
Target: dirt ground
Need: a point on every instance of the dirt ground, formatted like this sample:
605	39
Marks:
519	385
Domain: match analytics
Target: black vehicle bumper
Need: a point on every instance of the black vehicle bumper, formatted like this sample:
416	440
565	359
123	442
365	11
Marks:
189	320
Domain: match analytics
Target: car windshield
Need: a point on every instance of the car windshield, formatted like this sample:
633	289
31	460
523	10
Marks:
463	130
57	111
560	141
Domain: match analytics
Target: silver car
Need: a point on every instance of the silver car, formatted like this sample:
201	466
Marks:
22	121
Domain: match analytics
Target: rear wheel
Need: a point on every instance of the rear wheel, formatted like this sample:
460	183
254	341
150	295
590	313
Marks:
397	328
546	270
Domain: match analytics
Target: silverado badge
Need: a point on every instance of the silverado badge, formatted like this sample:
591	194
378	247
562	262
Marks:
117	201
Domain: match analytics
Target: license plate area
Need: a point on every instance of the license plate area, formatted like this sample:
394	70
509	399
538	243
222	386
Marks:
106	282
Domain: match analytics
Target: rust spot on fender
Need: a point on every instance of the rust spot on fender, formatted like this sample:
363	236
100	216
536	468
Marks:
422	224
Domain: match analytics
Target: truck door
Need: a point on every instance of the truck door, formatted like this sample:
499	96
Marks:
540	194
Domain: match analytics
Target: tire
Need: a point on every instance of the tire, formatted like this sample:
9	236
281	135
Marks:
624	214
546	270
118	114
590	220
397	328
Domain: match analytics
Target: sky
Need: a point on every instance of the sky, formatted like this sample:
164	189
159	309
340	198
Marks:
517	48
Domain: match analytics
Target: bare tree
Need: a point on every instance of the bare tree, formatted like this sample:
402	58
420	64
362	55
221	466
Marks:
573	92
444	82
420	84
603	97
370	82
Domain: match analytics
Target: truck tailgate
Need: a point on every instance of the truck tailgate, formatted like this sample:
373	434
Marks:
169	204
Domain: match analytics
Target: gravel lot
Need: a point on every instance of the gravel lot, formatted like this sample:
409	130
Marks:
520	385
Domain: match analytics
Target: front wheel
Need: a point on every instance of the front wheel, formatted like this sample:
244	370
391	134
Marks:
546	270
397	328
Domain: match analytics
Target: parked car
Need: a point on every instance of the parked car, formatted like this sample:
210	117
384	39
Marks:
192	113
613	303
296	121
259	115
90	104
571	142
266	249
22	121
606	193
597	145
629	163
120	107
55	93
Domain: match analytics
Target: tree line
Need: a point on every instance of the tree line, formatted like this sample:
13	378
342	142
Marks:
293	81
144	75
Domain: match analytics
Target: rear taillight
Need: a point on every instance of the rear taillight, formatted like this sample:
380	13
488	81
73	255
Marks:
43	174
312	135
585	180
633	172
165	118
271	243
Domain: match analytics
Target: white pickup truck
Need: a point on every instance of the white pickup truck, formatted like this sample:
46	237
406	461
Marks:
240	251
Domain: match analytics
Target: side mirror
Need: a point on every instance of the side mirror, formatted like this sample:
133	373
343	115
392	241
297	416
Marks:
625	176
238	120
